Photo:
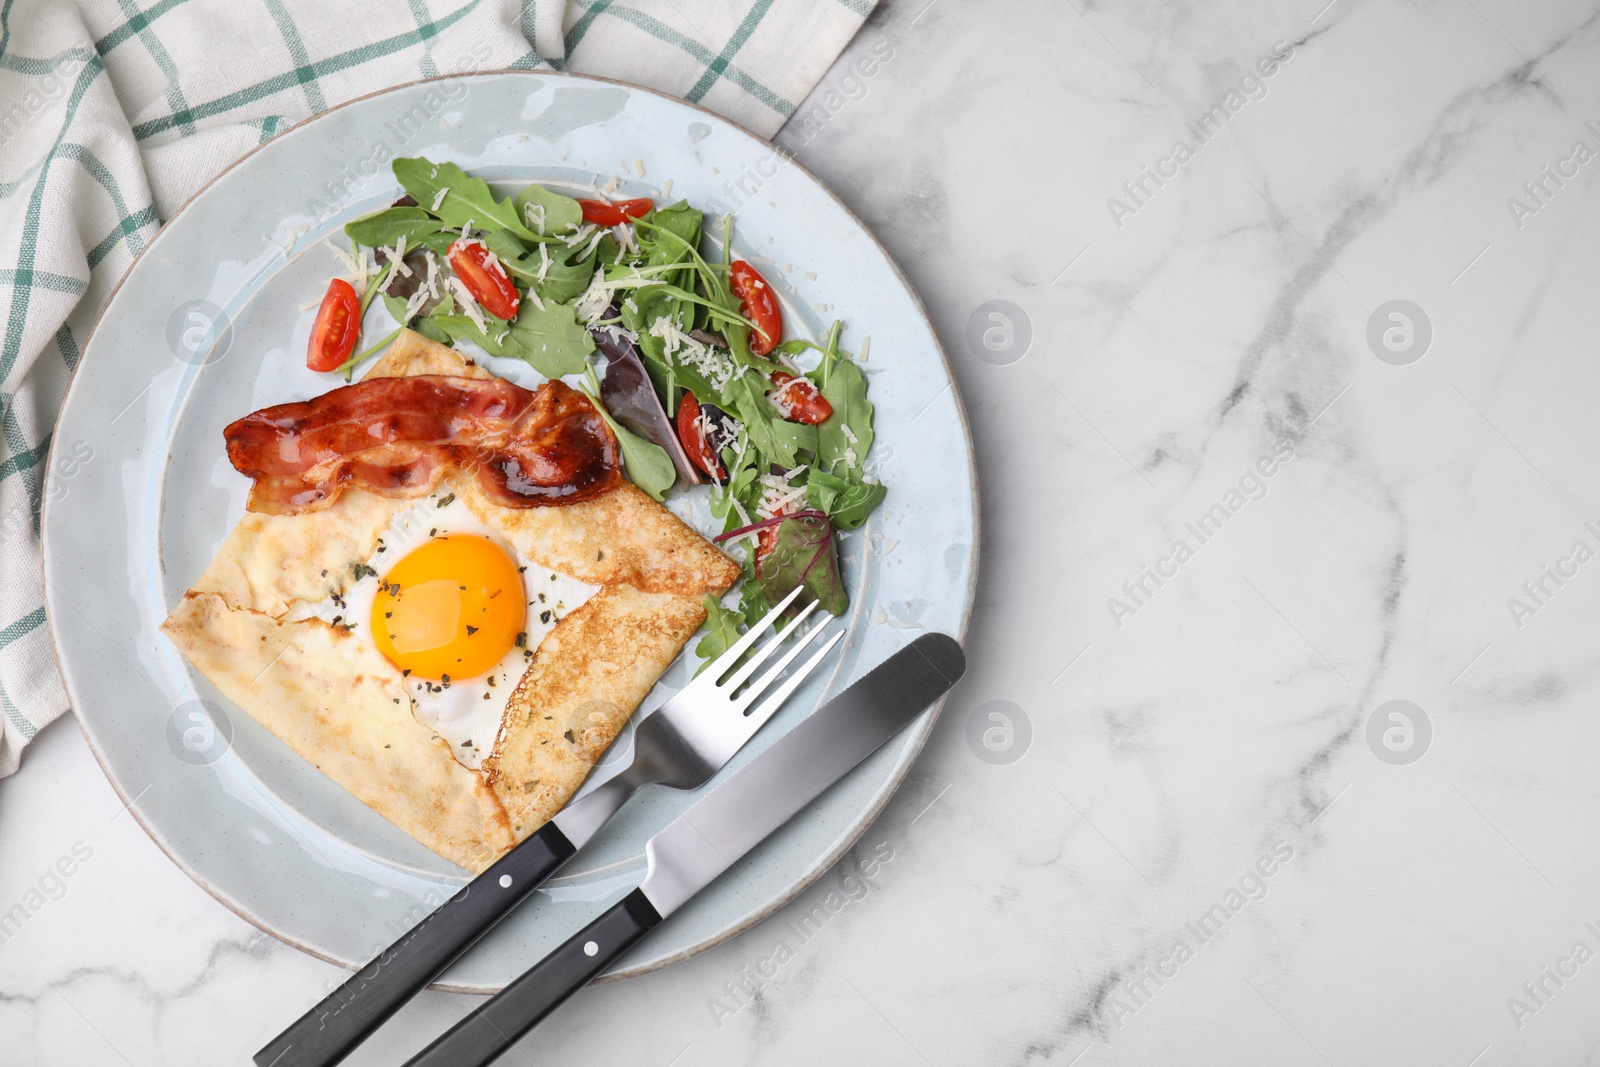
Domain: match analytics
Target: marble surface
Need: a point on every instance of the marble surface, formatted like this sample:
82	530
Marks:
1193	836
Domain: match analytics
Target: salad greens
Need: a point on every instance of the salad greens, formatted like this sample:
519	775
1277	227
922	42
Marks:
656	283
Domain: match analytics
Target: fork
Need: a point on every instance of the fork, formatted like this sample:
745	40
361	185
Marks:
681	744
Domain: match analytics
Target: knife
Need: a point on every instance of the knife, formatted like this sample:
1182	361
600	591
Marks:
691	851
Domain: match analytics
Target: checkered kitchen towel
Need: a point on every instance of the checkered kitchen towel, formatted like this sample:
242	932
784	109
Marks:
112	112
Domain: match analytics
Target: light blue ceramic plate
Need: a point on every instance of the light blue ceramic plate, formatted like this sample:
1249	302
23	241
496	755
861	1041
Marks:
132	527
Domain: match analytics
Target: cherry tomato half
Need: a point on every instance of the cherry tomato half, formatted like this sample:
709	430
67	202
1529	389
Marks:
767	536
615	212
692	433
797	399
490	286
758	305
333	335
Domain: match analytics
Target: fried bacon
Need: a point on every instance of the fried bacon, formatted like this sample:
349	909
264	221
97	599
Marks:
398	436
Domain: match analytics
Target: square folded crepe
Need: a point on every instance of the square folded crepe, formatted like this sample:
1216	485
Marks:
336	700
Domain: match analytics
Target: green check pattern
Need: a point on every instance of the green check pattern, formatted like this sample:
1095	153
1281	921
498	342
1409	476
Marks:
114	112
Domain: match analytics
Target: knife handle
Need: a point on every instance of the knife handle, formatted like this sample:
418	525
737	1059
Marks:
495	1025
346	1017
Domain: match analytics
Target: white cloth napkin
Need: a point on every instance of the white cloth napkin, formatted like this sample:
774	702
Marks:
112	112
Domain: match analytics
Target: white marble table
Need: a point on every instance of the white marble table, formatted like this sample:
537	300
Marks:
1202	855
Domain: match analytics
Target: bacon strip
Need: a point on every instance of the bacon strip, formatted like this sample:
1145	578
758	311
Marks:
398	437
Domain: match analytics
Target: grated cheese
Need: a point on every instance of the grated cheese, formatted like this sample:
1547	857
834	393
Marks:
439	198
344	257
433	273
717	368
469	306
415	302
591	306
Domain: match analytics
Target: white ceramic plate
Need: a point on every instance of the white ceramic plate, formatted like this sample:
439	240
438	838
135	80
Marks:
132	527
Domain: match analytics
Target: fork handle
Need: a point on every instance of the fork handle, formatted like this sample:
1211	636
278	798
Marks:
494	1026
346	1017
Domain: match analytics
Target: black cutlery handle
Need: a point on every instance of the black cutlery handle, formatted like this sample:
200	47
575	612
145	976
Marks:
480	1038
346	1017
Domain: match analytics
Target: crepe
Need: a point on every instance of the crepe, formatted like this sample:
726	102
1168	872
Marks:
333	698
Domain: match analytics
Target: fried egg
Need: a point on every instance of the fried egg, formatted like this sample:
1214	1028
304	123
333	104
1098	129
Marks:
457	611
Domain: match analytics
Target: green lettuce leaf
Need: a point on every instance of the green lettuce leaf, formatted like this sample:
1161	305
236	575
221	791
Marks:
646	463
561	214
845	439
466	199
847	503
383	228
722	630
551	341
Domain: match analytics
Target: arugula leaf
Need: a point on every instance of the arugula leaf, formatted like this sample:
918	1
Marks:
742	485
556	343
466	199
421	324
777	440
804	554
679	219
564	280
384	228
551	341
722	630
432	331
672	242
847	503
646	463
845	439
554	214
642	308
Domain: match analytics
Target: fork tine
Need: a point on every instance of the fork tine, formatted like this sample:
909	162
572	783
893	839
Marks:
763	711
756	688
737	649
764	653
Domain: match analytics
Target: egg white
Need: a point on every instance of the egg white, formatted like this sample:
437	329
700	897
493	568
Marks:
467	711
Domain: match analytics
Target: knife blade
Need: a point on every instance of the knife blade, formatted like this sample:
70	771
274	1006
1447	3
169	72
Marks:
690	852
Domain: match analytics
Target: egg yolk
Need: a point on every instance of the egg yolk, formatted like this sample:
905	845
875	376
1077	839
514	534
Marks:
450	609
